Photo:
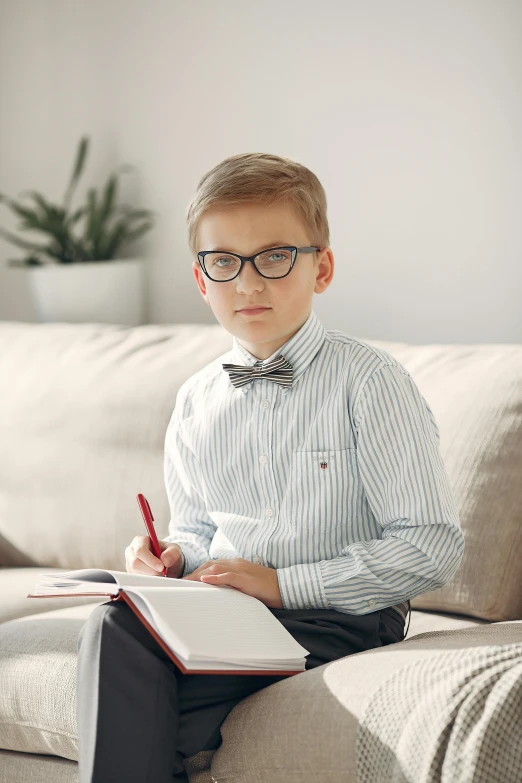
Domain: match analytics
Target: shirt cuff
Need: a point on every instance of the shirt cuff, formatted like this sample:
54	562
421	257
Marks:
301	587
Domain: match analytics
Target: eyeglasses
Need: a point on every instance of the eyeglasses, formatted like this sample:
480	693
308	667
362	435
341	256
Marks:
275	262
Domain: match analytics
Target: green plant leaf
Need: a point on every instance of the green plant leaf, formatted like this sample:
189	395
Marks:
113	239
19	242
52	216
23	212
109	198
81	156
92	233
74	217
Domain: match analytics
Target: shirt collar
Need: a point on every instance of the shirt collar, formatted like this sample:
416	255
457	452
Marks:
299	350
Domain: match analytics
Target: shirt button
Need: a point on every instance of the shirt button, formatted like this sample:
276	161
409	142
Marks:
371	602
256	559
269	512
265	403
262	458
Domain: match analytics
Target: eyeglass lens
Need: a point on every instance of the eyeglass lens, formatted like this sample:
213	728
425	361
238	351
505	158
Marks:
272	263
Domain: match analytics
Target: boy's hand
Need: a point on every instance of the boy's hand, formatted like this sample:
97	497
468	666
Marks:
139	558
172	557
251	578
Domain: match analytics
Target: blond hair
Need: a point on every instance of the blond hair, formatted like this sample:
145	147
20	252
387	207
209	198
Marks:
257	177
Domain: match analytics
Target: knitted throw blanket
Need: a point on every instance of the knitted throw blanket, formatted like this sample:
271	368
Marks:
455	717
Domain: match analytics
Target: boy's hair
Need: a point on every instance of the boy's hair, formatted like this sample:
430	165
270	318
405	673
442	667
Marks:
257	177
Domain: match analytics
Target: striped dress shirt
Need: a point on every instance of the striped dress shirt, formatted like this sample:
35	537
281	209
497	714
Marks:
336	482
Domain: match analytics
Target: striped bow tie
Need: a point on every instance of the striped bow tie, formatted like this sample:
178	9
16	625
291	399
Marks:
278	370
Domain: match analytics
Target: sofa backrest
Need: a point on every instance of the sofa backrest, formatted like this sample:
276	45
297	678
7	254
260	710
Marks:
475	392
83	415
84	410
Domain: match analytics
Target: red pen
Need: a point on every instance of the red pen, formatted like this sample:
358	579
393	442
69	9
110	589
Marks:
149	524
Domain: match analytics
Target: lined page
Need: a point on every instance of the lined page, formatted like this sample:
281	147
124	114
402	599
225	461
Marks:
63	580
221	624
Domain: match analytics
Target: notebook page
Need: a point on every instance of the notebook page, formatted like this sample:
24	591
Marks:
112	578
56	588
222	624
210	664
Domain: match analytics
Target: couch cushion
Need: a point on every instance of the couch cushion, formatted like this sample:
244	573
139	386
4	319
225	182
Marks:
16	767
332	697
424	622
38	681
38	676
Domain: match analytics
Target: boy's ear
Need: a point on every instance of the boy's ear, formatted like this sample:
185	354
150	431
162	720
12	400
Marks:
200	280
325	270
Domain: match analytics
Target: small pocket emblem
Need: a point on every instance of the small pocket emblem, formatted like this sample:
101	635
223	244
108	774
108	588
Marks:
324	464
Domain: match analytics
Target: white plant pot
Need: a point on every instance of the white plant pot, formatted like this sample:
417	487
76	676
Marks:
94	291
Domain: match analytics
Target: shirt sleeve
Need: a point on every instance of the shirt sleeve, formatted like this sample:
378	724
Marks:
408	491
190	525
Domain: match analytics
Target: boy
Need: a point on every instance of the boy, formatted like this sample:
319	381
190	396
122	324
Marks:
302	467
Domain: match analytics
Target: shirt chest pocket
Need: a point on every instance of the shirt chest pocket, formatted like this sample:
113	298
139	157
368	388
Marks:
323	490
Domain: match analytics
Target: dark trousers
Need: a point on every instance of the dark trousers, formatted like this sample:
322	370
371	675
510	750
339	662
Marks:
139	716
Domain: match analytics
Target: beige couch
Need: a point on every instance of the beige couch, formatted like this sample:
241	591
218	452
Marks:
83	414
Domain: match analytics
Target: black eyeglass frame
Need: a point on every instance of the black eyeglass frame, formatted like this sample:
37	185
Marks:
244	259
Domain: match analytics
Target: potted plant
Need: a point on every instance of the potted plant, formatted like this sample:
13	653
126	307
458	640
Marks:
77	277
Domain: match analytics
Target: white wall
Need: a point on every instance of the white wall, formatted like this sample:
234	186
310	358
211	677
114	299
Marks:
410	114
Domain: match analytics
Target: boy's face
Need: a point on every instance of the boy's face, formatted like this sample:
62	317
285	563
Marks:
247	229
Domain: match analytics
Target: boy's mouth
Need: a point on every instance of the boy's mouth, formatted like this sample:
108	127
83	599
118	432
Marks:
253	310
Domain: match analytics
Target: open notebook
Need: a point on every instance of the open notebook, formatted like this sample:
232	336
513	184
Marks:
203	628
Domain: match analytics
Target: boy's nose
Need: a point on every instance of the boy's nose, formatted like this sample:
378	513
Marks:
249	275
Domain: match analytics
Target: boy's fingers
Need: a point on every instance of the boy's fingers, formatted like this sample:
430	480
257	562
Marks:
171	556
147	557
140	559
139	566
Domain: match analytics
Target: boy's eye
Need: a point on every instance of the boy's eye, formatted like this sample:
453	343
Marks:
230	259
